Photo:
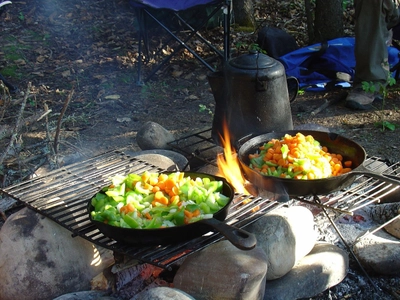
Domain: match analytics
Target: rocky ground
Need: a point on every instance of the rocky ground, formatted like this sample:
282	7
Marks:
74	63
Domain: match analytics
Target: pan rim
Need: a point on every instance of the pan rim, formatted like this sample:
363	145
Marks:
226	184
244	162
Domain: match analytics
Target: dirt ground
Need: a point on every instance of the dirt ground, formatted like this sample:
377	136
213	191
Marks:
86	52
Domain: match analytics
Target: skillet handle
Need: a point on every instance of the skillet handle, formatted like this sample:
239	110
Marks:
240	238
384	177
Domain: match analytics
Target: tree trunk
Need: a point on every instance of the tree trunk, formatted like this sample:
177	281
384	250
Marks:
328	23
310	20
243	11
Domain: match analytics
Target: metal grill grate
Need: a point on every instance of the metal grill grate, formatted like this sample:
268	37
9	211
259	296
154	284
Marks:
63	195
365	190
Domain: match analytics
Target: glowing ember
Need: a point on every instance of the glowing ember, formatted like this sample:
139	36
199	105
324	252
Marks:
228	165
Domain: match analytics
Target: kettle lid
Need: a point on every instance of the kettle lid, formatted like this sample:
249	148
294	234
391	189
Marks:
254	60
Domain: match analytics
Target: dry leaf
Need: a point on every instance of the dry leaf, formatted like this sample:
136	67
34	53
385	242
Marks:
38	73
112	97
192	97
66	73
189	76
121	120
20	62
40	59
177	73
202	77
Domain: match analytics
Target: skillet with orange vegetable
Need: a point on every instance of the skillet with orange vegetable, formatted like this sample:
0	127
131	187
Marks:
304	162
163	208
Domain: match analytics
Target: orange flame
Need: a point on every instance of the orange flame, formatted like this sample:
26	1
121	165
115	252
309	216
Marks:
228	165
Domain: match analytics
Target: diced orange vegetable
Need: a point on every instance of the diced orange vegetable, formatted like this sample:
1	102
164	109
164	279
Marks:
299	147
348	163
127	208
160	198
196	213
345	170
174	199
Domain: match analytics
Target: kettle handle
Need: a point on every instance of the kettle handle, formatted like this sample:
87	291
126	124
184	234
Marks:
293	84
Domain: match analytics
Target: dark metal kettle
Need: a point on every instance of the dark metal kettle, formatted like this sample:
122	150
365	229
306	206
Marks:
251	95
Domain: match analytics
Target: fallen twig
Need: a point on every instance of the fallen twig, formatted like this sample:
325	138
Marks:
44	115
7	130
321	108
326	104
67	101
17	125
6	97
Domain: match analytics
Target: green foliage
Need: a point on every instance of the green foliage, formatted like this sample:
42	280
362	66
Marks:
301	92
21	17
381	88
240	46
346	3
10	71
257	47
386	125
204	108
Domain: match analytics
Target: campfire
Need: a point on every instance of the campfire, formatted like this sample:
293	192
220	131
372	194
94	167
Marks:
75	190
228	166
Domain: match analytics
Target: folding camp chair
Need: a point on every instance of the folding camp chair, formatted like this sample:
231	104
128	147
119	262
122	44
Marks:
172	17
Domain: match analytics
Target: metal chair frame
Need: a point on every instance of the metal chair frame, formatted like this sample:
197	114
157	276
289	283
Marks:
144	12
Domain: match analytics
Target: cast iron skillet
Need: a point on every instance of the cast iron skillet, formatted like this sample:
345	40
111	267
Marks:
163	236
336	143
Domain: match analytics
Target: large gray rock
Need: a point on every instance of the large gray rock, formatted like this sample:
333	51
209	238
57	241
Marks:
325	266
393	228
286	235
379	253
153	136
222	271
40	260
85	295
162	293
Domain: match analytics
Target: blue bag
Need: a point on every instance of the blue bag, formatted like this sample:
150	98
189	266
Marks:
316	66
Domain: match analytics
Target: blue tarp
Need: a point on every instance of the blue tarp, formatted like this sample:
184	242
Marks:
176	5
316	65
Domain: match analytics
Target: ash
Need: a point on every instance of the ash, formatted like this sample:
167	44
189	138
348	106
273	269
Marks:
357	285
